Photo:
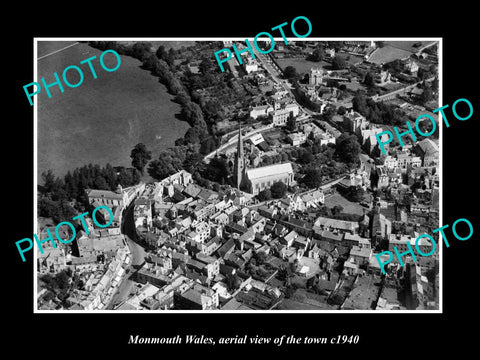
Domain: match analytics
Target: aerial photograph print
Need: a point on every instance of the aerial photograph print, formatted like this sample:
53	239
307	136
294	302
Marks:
226	175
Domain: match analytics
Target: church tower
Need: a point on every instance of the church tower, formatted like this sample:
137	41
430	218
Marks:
239	165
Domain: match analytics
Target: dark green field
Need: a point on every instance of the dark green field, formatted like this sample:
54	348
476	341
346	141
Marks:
101	120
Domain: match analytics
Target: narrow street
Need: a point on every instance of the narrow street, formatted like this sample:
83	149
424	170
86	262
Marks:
137	256
233	141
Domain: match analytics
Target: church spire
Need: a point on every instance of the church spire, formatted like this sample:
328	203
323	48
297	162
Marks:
239	159
240	141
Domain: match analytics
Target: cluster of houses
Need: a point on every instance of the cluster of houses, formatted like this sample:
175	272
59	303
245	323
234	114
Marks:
203	249
218	250
201	246
98	258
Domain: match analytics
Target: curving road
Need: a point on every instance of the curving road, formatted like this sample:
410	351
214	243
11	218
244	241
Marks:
137	258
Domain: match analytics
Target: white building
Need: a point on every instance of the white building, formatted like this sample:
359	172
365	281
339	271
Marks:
316	76
262	178
390	162
280	116
250	66
297	139
262	110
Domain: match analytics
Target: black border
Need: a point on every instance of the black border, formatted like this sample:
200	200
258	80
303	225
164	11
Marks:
380	334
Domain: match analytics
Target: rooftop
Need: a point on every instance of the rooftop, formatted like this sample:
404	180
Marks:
93	193
270	170
336	224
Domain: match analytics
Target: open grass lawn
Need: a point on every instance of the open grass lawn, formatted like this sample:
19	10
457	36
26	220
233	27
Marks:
348	206
102	119
301	65
167	44
350	59
355	86
387	54
408	45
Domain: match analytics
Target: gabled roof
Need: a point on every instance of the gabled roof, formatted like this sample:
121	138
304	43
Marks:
93	193
428	147
270	170
226	247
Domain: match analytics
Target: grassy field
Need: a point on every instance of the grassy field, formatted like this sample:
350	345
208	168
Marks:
101	120
388	54
407	45
348	206
350	59
301	65
167	44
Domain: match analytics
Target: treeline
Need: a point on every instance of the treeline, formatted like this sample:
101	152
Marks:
158	64
198	138
171	160
378	112
60	199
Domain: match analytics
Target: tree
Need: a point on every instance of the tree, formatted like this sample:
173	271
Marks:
359	103
208	145
161	52
312	178
337	209
169	162
369	79
267	160
435	84
427	94
140	157
317	54
348	148
110	176
193	135
341	110
278	189
206	66
290	73
291	122
100	183
217	170
356	194
233	281
141	50
71	186
194	162
306	156
338	63
125	177
57	210
264	195
332	83
396	66
260	257
48	181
